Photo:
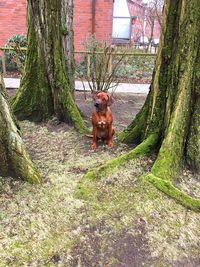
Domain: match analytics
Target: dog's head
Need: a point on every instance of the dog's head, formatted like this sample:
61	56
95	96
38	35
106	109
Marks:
102	100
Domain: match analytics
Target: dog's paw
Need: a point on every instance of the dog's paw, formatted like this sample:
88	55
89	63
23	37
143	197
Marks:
93	146
110	144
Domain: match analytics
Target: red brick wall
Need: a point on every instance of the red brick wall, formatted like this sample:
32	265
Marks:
103	25
83	21
137	9
12	19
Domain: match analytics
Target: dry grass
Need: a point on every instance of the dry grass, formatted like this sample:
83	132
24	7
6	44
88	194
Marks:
124	221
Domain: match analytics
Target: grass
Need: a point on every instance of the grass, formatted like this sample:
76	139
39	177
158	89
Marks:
124	219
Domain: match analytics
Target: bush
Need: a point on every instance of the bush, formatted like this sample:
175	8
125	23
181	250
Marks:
124	67
15	58
101	66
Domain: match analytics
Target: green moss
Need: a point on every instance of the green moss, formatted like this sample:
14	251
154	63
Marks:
168	188
49	221
193	145
65	30
83	191
142	149
33	100
70	110
45	92
135	131
167	165
90	175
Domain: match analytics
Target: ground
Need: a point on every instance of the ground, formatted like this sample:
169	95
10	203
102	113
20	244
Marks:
119	221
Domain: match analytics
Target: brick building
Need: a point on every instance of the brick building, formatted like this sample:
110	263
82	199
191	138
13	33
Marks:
90	16
12	19
140	22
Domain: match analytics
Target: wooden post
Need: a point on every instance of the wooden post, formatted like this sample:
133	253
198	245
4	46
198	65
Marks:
110	64
88	65
3	62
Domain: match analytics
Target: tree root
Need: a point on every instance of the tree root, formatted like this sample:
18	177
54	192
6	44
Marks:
163	185
169	189
139	151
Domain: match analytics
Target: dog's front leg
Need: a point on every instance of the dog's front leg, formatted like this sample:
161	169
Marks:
94	139
110	134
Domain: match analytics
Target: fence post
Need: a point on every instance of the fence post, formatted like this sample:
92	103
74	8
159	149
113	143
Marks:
110	64
3	62
88	65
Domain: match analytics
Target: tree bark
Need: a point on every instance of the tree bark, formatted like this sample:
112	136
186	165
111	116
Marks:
14	158
69	42
173	109
45	88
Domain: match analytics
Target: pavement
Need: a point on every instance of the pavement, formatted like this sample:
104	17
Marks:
13	83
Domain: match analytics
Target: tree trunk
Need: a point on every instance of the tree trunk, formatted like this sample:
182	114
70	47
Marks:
69	43
151	17
45	88
14	159
172	112
172	109
169	121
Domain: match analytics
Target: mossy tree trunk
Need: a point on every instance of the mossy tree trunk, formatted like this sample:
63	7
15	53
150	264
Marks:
14	159
46	88
69	42
169	121
172	108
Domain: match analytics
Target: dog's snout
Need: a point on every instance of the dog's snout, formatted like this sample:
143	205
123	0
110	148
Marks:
97	103
98	100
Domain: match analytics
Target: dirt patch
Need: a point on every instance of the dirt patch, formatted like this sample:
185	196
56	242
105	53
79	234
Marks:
124	108
101	247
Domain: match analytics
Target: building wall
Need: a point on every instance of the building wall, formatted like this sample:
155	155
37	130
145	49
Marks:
138	9
103	20
82	22
13	20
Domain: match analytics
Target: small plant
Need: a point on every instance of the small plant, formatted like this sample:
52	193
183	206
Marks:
99	68
17	53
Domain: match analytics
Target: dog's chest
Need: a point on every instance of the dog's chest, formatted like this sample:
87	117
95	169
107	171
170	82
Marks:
102	122
102	126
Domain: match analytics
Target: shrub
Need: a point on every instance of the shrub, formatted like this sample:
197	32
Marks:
15	57
124	66
101	66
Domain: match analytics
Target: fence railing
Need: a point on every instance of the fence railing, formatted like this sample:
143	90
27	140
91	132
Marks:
87	54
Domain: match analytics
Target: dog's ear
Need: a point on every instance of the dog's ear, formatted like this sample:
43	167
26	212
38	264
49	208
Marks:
110	100
94	95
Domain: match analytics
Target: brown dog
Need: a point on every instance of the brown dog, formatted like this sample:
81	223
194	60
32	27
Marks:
102	119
